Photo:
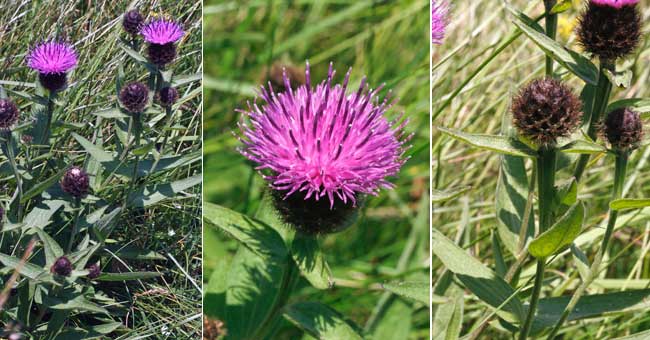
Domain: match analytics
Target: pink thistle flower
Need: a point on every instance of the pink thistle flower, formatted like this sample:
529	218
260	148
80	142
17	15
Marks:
52	57
323	142
615	3
439	19
162	31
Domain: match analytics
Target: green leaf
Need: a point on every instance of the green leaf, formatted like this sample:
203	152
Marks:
629	203
560	235
95	151
448	318
590	306
320	321
418	291
251	233
160	192
478	278
75	303
42	186
181	80
511	200
130	276
52	249
640	105
561	6
500	144
440	196
40	215
26	269
621	79
396	321
583	147
110	113
645	335
571	60
309	258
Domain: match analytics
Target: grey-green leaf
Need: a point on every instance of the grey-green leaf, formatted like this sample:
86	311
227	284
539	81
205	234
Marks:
309	258
418	291
500	144
629	203
440	196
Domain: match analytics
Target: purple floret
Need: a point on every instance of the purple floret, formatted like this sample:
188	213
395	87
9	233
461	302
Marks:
162	31
323	141
52	57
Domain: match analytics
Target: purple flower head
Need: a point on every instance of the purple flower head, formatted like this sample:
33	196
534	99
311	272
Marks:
75	182
52	57
62	266
321	141
161	32
615	3
132	22
93	271
9	114
439	13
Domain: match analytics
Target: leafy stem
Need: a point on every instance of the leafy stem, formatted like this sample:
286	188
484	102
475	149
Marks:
8	150
49	112
545	164
75	226
617	192
599	104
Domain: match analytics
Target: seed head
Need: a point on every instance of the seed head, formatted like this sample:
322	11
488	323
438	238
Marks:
610	29
134	97
76	182
132	22
545	110
9	114
623	129
62	266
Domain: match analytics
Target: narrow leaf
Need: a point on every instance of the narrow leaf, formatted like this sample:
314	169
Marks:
560	235
500	144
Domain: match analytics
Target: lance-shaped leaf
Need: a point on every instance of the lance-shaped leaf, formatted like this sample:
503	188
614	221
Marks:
629	203
440	196
560	235
500	144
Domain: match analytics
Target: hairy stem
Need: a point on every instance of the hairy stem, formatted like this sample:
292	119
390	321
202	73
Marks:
619	179
551	31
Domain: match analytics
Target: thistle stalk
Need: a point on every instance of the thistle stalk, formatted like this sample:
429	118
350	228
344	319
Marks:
545	163
599	104
619	179
551	31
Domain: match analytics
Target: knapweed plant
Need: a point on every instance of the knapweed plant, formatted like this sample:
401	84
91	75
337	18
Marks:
82	164
546	219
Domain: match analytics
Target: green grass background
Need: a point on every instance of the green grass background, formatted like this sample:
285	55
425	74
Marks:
388	42
476	28
166	308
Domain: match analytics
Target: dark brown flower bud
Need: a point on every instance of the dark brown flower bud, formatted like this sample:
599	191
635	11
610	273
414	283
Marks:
93	271
545	110
62	266
609	32
623	129
75	182
9	113
161	54
168	96
134	97
132	22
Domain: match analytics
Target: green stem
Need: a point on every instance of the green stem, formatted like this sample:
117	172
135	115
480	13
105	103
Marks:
9	152
75	226
617	192
48	122
551	31
546	191
599	104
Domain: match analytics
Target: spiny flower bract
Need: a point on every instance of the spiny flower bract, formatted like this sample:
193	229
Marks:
623	129
545	110
62	266
52	57
75	182
320	141
134	96
162	31
439	13
609	29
